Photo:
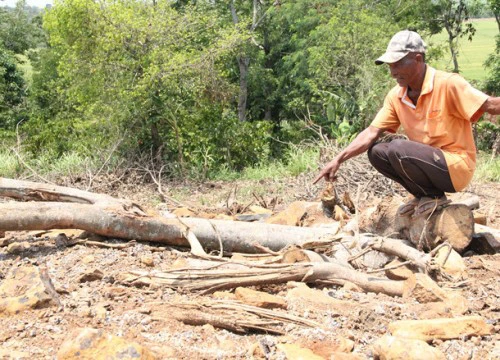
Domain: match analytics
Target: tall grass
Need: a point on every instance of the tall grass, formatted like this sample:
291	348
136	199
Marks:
9	164
299	159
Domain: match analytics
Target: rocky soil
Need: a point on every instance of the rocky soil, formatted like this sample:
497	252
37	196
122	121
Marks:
93	315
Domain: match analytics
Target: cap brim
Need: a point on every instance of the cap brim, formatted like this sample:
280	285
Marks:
391	57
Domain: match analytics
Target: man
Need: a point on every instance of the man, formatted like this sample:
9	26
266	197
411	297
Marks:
436	110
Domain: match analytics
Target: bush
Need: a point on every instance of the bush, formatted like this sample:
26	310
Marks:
218	139
492	84
486	133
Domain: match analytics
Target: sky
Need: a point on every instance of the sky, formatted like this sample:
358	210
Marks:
37	3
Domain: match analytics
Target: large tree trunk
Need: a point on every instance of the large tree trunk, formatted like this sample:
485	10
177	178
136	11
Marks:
243	63
108	216
233	236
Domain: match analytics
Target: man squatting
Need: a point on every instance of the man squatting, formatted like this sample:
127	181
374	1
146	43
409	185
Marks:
436	110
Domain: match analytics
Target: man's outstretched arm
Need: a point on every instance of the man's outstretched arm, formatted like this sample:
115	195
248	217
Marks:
359	145
492	105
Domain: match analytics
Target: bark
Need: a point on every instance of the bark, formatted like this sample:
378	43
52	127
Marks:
496	147
243	63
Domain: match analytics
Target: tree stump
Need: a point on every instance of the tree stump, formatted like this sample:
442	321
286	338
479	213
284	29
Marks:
453	224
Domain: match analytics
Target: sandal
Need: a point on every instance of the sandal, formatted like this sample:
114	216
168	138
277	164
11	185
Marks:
428	205
408	208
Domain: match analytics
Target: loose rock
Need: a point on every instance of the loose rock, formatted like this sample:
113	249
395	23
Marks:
91	344
92	276
303	296
18	247
296	352
148	260
25	289
444	329
259	298
423	289
394	348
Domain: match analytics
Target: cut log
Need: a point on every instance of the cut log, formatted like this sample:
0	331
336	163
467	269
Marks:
453	224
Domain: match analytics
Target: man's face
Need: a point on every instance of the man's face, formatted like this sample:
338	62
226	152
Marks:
405	71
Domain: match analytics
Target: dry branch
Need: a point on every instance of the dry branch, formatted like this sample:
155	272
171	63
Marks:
425	262
213	279
32	191
235	316
400	249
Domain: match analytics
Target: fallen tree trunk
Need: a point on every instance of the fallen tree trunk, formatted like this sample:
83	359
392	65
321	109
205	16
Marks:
234	236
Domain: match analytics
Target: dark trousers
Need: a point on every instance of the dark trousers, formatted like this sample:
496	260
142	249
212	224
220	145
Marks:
421	169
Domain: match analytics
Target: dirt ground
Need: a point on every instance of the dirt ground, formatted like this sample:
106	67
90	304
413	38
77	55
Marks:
141	314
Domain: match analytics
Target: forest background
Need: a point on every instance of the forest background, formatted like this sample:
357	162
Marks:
211	89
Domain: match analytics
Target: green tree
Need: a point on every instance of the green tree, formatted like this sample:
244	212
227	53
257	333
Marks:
152	77
492	84
495	8
317	48
19	29
431	17
12	91
176	79
453	17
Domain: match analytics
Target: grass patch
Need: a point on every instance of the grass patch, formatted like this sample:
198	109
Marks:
9	165
68	165
472	54
487	169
